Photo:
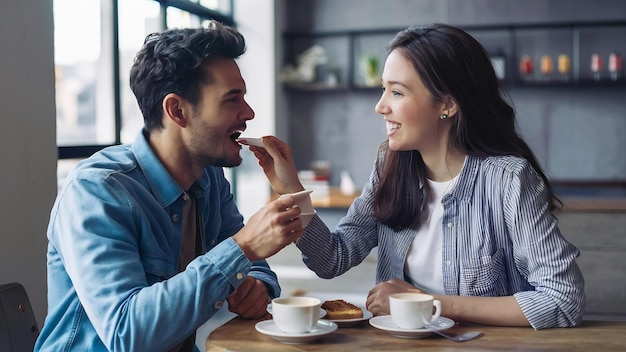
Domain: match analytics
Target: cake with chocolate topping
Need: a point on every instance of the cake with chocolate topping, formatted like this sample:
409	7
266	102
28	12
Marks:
339	309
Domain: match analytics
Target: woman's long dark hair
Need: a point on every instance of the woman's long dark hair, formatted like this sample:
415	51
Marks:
450	63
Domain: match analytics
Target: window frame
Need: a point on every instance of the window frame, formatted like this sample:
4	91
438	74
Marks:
83	151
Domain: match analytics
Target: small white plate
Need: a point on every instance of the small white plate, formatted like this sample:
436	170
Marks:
384	322
257	142
323	327
345	323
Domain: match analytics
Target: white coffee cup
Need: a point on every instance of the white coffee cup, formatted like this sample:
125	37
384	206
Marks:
295	314
413	310
303	201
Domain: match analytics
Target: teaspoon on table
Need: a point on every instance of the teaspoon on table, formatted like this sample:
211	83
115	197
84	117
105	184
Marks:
460	338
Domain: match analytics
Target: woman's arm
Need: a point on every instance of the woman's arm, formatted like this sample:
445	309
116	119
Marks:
542	255
497	311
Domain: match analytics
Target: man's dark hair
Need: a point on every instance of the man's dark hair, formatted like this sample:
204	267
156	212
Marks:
171	62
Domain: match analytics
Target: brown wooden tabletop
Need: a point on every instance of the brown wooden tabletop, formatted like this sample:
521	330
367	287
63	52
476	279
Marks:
241	335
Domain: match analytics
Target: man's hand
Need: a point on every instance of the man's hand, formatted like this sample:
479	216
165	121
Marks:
250	299
378	297
277	163
269	230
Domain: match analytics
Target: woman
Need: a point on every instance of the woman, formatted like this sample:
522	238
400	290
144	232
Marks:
457	202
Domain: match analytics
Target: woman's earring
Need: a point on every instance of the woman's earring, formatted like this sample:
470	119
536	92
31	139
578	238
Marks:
443	116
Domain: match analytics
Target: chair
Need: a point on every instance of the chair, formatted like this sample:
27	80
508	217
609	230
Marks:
18	327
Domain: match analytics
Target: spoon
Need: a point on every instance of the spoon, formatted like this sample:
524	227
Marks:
459	338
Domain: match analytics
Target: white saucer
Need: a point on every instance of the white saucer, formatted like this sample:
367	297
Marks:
257	142
323	327
345	323
384	322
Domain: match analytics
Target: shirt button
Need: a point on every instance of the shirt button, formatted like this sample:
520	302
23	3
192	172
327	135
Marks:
185	197
218	304
239	276
448	262
449	224
175	217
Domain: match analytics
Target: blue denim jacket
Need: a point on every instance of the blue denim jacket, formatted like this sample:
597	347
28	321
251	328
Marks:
114	244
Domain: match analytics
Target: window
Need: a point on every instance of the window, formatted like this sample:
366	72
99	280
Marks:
81	96
137	19
93	55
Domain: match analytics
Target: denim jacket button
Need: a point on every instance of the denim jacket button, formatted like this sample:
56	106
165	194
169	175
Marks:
239	276
218	304
175	217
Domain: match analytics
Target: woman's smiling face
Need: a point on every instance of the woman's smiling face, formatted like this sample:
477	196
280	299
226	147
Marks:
411	115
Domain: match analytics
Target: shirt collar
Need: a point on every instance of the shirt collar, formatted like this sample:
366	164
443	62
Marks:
163	186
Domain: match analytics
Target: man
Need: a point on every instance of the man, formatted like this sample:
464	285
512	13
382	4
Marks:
145	240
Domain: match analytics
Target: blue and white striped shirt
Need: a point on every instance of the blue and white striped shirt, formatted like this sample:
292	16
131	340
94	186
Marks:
499	239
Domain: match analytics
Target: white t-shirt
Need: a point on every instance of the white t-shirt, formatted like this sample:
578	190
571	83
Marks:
423	261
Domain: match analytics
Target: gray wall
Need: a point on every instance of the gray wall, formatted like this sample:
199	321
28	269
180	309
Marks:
27	144
575	132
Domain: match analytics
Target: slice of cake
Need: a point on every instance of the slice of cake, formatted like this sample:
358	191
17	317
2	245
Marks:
339	309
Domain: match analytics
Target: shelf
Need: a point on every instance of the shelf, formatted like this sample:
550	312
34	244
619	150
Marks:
578	40
335	199
578	84
594	204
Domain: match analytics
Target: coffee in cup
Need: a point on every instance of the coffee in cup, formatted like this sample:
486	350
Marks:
295	314
413	310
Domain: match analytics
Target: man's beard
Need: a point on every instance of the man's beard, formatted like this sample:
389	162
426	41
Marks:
225	162
199	143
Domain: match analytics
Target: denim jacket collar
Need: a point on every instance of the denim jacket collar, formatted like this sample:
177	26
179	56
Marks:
164	187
